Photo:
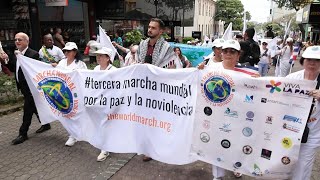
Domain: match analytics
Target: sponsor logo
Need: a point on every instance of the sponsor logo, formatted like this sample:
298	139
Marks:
250	86
225	143
291	128
219	159
265	100
247	149
269	119
217	88
292	119
206	124
231	113
285	160
247	131
267	136
204	137
248	99
274	86
256	170
225	128
286	143
59	93
208	111
265	153
250	116
291	89
237	165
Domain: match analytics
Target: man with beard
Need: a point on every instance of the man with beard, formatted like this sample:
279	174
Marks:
155	50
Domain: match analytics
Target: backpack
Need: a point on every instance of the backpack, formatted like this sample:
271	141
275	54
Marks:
254	54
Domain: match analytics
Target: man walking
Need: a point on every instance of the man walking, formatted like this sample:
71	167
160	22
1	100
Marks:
155	50
29	108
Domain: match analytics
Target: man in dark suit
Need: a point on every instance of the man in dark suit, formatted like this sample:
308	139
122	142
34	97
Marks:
29	108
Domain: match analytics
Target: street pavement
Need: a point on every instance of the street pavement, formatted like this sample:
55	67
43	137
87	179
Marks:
44	156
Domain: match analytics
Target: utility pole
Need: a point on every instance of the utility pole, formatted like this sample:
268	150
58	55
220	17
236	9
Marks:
156	2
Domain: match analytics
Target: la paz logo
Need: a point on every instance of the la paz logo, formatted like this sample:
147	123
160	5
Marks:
274	86
217	88
59	95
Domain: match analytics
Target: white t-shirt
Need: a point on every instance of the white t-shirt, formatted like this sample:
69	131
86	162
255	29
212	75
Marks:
286	53
313	122
265	58
73	65
55	52
110	67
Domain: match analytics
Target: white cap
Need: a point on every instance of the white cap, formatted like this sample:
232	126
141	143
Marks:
312	52
70	46
218	43
231	44
107	51
189	42
289	39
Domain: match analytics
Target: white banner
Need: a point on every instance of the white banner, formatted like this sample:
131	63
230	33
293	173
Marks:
244	124
252	126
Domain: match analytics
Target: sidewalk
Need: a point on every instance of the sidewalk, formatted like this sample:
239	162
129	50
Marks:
44	156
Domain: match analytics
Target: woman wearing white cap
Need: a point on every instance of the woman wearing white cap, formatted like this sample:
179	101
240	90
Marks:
311	64
286	53
215	56
104	58
72	62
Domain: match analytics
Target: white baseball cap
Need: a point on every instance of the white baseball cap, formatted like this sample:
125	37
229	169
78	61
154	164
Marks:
312	52
218	43
70	46
289	39
231	44
107	51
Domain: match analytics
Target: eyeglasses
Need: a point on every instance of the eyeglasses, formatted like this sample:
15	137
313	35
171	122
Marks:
231	51
18	39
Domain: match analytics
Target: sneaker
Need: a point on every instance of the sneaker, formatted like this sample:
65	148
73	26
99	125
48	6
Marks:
102	156
71	141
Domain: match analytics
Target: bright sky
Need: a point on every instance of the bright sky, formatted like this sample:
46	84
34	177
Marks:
259	9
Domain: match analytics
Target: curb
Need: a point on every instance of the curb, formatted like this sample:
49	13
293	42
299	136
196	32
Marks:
11	109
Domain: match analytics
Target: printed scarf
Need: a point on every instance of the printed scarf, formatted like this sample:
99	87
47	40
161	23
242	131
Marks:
47	57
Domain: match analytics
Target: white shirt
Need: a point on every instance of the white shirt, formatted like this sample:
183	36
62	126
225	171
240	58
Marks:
55	52
73	65
286	53
314	125
129	59
110	67
264	59
24	51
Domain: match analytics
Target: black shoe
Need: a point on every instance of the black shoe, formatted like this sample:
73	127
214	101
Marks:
20	139
43	128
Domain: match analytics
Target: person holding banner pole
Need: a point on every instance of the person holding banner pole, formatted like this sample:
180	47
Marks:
310	61
104	56
72	62
286	53
216	54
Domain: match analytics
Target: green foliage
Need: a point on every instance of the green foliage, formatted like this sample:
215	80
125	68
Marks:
230	11
165	36
134	36
248	16
276	28
292	4
116	63
8	90
186	39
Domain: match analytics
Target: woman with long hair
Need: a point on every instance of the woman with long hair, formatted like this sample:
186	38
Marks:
183	59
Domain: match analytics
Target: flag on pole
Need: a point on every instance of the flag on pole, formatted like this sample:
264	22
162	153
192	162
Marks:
244	22
228	32
105	41
294	54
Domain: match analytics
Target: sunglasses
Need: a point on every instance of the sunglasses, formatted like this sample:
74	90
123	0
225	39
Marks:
264	44
231	51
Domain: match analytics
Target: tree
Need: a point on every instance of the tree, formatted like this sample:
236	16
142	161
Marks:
248	16
296	5
230	11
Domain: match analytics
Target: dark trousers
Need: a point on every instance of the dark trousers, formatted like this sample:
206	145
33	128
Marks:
29	108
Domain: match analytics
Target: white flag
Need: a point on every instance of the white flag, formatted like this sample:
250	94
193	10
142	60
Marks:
244	22
105	41
228	32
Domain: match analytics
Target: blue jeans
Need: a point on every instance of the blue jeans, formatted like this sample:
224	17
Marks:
263	69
